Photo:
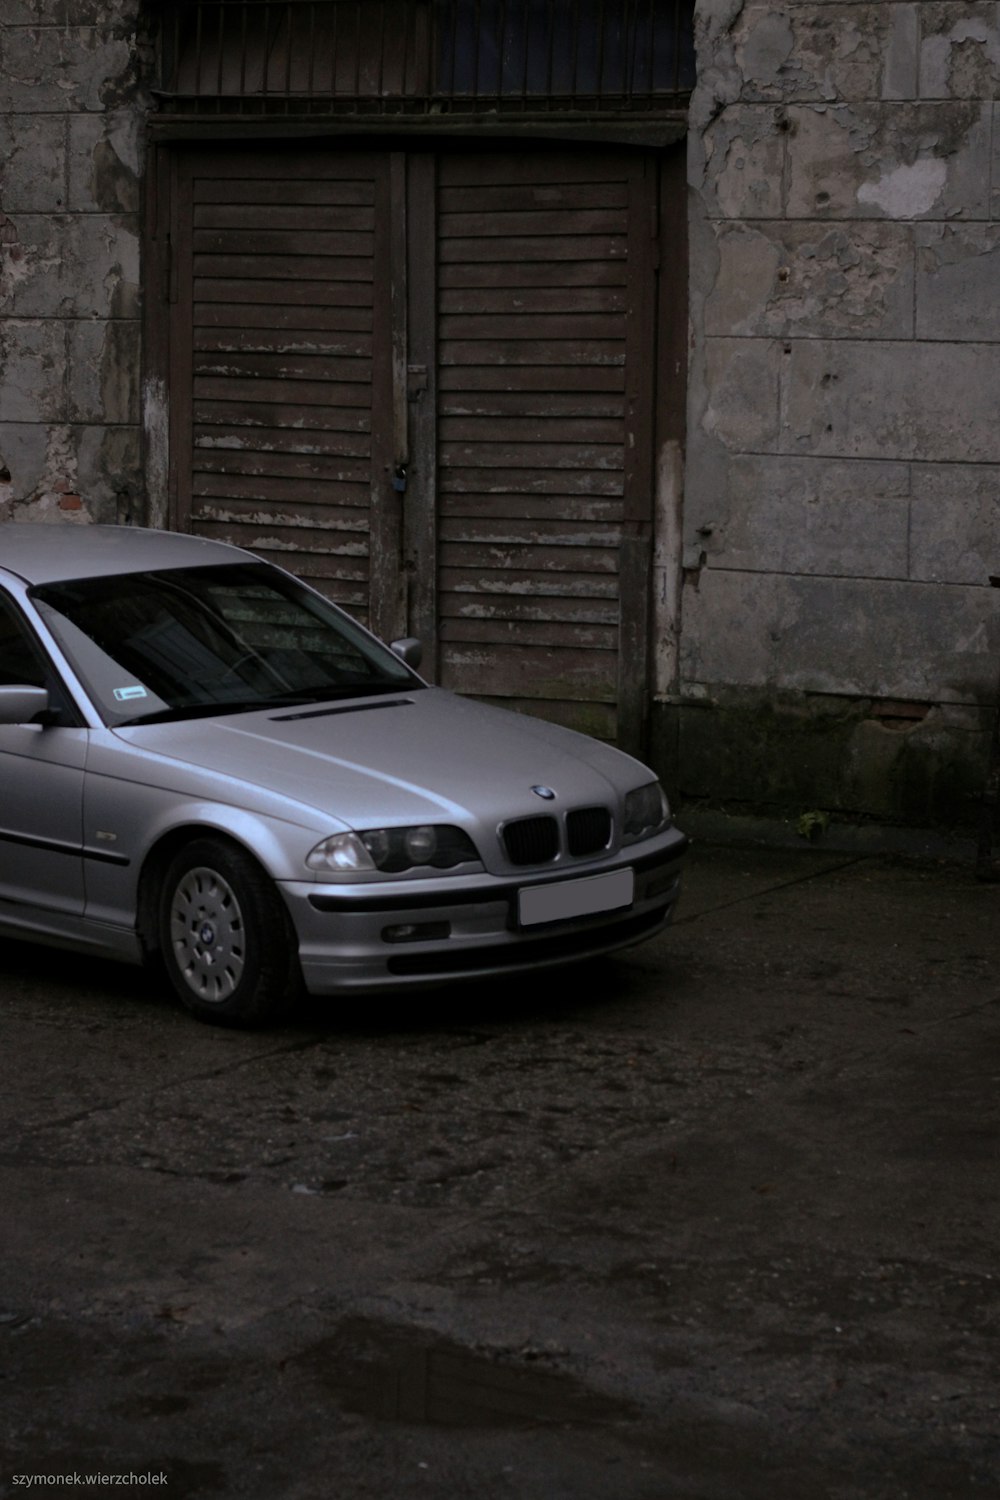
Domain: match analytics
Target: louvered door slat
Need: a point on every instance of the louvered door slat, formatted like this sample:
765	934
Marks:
288	359
533	334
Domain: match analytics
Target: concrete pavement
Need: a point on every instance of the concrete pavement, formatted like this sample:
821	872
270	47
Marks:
716	1220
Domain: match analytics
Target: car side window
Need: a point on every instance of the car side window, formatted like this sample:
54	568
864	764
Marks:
20	663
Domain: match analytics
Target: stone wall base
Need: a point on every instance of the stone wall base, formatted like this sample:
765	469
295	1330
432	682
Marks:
785	754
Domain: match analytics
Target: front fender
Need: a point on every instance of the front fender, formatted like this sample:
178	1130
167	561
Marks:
136	822
280	846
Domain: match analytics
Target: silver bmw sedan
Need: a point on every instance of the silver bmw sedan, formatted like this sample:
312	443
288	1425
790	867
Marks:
206	765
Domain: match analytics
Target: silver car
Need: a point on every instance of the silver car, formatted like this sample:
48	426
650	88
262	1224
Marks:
206	764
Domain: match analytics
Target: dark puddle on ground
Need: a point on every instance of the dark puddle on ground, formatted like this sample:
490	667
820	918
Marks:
402	1375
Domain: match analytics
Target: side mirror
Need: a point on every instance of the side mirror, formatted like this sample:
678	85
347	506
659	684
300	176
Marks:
21	705
409	650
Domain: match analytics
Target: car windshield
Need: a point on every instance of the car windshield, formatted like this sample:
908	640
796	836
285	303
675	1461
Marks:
187	642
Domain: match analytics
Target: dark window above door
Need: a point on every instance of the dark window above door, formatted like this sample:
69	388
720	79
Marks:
426	57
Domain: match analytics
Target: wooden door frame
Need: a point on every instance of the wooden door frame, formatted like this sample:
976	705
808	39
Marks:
635	564
421	516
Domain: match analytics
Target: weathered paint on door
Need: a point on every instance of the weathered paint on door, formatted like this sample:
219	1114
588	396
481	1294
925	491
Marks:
281	359
544	402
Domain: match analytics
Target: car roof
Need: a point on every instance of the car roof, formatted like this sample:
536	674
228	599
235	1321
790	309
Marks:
40	553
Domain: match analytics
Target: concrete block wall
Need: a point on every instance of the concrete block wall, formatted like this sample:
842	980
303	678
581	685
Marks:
840	643
71	120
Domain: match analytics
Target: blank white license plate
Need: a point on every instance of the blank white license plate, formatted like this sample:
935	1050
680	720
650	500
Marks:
575	898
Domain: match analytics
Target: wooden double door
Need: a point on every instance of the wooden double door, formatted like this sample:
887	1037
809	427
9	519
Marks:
426	382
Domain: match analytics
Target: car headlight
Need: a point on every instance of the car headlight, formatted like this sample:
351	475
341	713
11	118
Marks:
393	850
647	811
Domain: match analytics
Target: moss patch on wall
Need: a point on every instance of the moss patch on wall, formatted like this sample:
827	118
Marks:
782	753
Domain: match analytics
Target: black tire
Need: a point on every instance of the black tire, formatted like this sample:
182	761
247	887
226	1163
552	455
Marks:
226	940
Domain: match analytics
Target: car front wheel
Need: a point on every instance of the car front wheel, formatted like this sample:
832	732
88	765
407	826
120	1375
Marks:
225	937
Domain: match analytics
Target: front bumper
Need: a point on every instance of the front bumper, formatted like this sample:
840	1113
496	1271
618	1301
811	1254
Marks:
399	934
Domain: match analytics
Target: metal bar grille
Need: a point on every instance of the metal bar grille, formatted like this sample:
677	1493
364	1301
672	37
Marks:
425	56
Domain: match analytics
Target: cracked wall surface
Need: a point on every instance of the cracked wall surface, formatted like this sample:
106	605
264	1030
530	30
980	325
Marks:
842	495
71	120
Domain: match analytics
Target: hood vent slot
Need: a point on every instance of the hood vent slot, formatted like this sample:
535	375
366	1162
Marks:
344	708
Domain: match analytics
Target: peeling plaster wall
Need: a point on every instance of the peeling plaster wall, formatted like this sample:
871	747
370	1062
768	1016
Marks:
840	644
71	114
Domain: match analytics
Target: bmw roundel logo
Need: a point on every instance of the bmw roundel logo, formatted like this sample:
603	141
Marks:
544	791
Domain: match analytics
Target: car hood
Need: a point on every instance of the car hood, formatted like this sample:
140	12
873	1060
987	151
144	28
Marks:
412	756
